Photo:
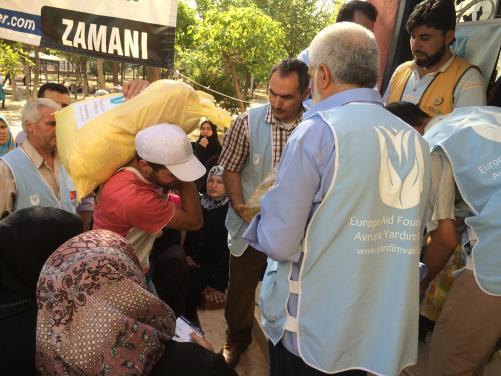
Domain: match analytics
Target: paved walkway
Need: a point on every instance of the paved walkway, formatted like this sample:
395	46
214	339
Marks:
12	113
254	363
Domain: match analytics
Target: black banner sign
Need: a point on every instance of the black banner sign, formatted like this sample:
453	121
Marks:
107	37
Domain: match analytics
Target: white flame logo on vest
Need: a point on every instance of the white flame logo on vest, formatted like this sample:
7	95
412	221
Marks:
396	191
491	132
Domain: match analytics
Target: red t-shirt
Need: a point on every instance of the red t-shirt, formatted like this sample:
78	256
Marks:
126	201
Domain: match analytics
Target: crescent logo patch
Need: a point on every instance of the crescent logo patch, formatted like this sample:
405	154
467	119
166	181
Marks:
438	101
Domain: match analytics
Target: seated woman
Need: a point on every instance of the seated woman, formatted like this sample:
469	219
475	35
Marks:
27	238
95	316
207	249
6	140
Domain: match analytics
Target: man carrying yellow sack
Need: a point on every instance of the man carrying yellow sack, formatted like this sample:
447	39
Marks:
135	202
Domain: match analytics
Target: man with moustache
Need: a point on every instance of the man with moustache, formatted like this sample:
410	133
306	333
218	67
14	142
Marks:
32	175
51	90
252	147
436	80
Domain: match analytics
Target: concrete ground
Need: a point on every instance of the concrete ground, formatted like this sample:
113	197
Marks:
254	362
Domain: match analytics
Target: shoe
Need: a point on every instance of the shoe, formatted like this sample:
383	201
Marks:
231	354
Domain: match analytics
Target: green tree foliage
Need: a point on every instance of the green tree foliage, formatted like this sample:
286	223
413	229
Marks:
203	6
222	44
12	57
300	19
185	27
12	60
244	40
242	36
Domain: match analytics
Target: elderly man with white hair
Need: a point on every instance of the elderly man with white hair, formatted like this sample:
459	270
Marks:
32	174
342	225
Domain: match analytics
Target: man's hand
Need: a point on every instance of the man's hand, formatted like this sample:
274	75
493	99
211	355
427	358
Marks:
191	263
203	142
243	211
133	88
195	338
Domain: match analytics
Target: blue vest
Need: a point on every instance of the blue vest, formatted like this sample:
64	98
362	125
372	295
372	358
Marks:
358	283
33	190
255	170
471	139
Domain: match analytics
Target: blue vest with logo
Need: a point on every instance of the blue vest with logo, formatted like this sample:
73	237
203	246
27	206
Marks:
255	170
33	190
358	283
471	139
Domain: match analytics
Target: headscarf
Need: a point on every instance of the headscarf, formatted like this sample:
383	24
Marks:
10	144
209	203
27	238
214	147
95	315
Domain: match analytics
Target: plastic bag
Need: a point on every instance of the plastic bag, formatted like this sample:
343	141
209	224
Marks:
435	295
95	137
254	202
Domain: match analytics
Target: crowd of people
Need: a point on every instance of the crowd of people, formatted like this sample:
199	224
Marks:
372	196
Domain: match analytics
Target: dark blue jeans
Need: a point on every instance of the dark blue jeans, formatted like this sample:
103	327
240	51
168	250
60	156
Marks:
284	363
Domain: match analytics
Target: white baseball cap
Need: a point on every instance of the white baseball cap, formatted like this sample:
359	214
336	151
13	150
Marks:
168	145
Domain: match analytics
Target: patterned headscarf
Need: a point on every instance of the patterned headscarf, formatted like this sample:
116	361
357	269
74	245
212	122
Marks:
208	202
10	144
94	313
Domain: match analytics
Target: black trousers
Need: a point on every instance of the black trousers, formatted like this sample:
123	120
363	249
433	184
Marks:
284	363
190	359
170	276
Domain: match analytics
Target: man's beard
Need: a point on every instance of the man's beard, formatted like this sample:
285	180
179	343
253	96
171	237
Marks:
166	186
430	60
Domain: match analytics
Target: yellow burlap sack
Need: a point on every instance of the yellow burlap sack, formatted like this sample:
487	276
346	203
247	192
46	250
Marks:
95	137
220	118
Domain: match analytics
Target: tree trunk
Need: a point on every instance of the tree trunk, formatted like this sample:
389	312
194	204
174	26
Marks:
36	80
234	77
247	85
101	81
27	80
252	86
152	74
14	86
78	76
114	72
46	72
85	78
